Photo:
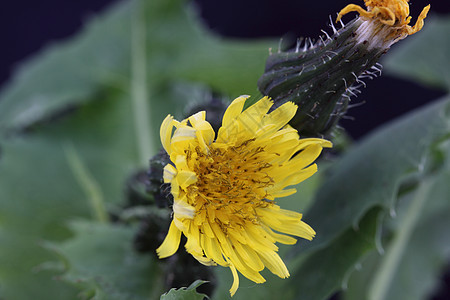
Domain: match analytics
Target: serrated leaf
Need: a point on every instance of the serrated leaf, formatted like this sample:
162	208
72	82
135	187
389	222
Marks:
371	173
32	208
413	261
424	57
188	293
102	136
100	258
367	176
167	42
326	270
40	191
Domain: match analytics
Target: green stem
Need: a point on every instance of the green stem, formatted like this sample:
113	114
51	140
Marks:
386	272
87	183
139	93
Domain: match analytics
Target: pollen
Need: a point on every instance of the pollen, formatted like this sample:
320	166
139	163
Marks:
231	182
225	187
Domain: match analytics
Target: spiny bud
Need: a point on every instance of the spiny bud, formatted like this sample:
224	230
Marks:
320	77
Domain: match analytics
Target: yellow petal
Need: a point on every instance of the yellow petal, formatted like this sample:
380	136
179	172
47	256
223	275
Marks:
259	240
276	213
182	224
181	163
193	241
281	238
186	178
237	235
204	131
385	14
284	224
208	230
213	251
281	116
251	274
171	242
274	263
234	110
283	193
165	133
226	247
182	138
419	23
303	143
304	158
200	124
281	146
230	126
293	178
251	119
249	256
175	189
183	210
169	173
352	7
204	260
235	285
197	118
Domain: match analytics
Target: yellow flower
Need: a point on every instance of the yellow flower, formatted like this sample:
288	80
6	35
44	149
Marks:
386	21
224	187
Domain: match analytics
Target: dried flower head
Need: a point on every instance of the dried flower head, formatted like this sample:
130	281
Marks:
386	21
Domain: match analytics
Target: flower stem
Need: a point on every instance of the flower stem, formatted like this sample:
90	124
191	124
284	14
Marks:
87	183
139	92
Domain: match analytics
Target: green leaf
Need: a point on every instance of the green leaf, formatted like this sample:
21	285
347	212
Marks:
40	189
37	195
398	246
185	293
424	57
100	258
368	176
102	136
419	250
20	276
151	43
326	270
371	173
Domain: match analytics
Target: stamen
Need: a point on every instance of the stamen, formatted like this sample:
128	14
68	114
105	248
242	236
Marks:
231	179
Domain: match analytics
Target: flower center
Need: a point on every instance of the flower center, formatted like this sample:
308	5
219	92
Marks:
231	183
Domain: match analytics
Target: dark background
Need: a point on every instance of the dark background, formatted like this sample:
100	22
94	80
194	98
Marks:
27	26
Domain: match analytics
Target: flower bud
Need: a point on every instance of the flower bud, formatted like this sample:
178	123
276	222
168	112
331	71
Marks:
321	77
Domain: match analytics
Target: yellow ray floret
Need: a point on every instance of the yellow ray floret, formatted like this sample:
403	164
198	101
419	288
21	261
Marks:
224	186
394	13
